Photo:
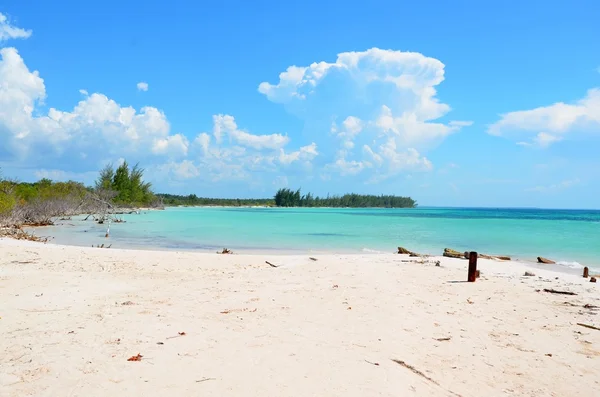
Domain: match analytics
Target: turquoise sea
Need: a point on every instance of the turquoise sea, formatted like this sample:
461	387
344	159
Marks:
569	236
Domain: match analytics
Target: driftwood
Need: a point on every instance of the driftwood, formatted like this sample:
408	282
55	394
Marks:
312	259
270	264
404	251
225	251
553	291
588	326
547	261
19	234
450	253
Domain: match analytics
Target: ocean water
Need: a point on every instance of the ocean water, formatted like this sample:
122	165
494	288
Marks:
569	236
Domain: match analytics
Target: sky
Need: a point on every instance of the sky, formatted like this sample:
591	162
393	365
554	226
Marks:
461	103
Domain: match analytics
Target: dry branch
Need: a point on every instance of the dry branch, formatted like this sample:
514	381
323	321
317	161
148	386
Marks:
588	326
553	291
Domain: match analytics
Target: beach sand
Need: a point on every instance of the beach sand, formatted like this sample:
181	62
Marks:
71	317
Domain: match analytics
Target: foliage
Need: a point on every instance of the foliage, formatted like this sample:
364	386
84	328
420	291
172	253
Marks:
290	198
128	185
39	202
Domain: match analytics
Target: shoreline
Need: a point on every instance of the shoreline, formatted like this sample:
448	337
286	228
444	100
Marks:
74	315
519	264
566	267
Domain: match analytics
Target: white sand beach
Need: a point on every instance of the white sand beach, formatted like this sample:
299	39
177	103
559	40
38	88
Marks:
71	317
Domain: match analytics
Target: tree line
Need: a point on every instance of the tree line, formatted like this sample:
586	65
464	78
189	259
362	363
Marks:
293	198
38	203
290	198
193	200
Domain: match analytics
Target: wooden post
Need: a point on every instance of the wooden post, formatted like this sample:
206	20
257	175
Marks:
586	272
472	267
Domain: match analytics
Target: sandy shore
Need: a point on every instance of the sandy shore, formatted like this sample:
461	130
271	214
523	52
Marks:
71	317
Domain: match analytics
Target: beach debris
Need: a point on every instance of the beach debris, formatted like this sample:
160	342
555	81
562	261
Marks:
443	339
592	279
554	291
586	272
312	259
372	363
176	336
138	357
547	261
437	263
529	274
470	301
225	251
450	253
335	286
495	257
404	251
349	308
19	234
205	379
548	354
160	343
588	326
421	374
591	307
127	303
270	264
227	311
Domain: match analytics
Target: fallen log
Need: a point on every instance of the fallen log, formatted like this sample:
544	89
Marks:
404	251
547	261
553	291
450	253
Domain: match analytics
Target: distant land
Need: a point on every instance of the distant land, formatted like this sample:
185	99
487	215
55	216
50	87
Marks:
291	198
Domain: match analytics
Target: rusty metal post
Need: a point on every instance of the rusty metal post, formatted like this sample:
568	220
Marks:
472	267
586	272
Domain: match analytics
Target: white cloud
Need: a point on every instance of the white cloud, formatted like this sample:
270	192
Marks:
8	31
226	125
555	187
550	124
306	153
541	140
174	145
84	92
387	99
96	129
142	86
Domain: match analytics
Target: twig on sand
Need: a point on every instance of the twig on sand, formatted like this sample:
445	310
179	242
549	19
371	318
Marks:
372	363
270	264
176	336
312	259
443	339
588	326
43	310
421	374
554	291
205	379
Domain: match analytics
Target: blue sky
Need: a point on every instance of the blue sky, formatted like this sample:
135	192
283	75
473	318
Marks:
457	103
